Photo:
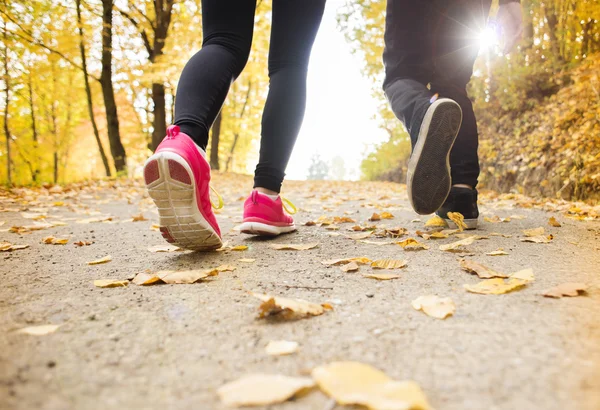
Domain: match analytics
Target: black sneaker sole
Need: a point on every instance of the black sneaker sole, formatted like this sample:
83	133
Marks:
428	178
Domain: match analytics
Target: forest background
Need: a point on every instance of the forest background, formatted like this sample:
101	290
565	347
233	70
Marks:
88	87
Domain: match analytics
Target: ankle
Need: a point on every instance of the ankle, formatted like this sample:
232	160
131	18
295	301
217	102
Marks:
270	193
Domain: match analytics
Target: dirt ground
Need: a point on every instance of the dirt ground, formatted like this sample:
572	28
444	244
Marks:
172	346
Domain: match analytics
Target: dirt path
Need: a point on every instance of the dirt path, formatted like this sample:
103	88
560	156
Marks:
172	346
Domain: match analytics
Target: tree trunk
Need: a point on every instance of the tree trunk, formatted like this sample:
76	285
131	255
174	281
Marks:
88	90
159	123
34	135
7	99
114	138
230	157
214	142
552	19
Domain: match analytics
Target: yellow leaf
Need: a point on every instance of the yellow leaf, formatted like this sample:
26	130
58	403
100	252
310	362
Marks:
185	276
82	243
38	330
239	248
435	306
155	227
525	274
538	239
7	247
262	389
51	240
375	217
293	247
164	248
360	260
498	252
139	218
496	286
350	267
381	276
287	308
246	260
458	244
435	221
566	289
354	383
412	244
496	219
144	279
106	259
226	268
388	264
359	236
386	215
534	232
281	347
480	270
342	220
110	283
458	219
553	222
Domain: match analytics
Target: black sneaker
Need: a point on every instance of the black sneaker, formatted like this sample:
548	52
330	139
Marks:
463	200
428	178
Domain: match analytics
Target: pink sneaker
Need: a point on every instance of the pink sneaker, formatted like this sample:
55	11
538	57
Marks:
265	216
177	177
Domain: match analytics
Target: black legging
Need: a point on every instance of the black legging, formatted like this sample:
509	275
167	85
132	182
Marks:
227	27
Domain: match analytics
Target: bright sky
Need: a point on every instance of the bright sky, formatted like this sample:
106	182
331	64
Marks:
340	110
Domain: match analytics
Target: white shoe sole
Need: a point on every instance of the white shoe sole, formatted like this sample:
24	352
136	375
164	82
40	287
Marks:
257	228
428	179
181	222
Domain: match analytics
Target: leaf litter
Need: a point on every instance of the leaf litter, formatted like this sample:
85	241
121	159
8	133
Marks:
281	347
110	283
263	389
293	247
100	261
566	289
9	247
288	308
480	270
435	306
381	276
389	264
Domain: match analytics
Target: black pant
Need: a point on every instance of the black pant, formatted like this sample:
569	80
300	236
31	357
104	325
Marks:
228	27
435	42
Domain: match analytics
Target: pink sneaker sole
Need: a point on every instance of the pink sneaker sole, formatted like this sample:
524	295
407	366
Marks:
257	228
170	183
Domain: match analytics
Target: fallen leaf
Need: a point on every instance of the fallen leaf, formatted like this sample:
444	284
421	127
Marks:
411	244
139	218
246	260
262	389
388	264
458	219
239	248
100	261
8	247
375	217
82	243
359	236
145	278
51	240
435	221
553	222
525	274
498	252
496	219
110	283
185	276
496	286
226	268
376	243
38	330
499	234
458	244
350	267
310	223
281	347
287	308
435	306
480	270
354	383
475	237
566	289
294	247
360	260
381	276
386	215
164	248
538	239
342	220
534	232
155	227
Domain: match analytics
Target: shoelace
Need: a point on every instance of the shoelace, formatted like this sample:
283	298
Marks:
221	204
285	202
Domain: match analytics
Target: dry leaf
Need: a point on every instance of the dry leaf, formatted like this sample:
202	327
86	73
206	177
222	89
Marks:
350	267
411	244
262	389
458	219
376	243
476	237
281	347
239	248
293	247
342	220
226	268
360	260
525	274
51	240
145	278
100	261
82	243
287	308
534	232
139	218
110	283
185	276
480	270
310	223
386	215
8	247
566	289
496	286
375	217
246	260
498	252
553	222
458	244
381	276
359	236
354	383
496	219
155	227
164	248
388	264
435	221
538	239
38	330
435	306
